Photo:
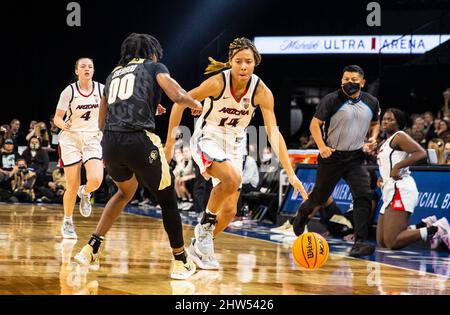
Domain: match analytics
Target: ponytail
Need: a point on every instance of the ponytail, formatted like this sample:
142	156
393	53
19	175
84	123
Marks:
215	66
235	46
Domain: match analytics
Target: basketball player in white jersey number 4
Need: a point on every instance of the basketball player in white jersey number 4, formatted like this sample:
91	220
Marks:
79	141
219	140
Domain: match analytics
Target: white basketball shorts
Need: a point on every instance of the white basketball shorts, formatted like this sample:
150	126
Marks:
400	195
78	146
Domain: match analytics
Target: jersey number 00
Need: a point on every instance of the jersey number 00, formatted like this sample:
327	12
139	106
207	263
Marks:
122	88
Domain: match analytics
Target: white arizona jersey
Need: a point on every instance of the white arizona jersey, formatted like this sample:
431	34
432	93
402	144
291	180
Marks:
82	109
388	157
227	115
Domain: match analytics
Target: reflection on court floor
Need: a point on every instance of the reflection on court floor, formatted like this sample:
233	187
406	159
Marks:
135	259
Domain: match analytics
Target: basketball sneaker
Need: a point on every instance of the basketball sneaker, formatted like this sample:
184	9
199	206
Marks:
181	271
203	262
301	221
290	232
436	239
86	257
281	229
443	229
429	221
443	224
85	202
68	230
446	240
204	245
361	249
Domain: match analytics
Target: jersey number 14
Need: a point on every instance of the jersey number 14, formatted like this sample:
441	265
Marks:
121	87
233	122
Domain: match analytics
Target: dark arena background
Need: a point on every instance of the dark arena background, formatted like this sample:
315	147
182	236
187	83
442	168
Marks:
403	46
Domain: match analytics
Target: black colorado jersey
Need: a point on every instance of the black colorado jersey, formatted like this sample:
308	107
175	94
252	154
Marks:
132	95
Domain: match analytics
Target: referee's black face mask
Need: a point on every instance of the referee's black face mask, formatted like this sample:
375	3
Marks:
351	88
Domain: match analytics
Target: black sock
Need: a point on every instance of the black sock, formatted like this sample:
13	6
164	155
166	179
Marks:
421	225
95	242
180	256
209	218
432	230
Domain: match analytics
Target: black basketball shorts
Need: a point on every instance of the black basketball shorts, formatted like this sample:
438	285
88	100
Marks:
140	153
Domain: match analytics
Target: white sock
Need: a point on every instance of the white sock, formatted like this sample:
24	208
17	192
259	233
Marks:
412	227
424	233
68	219
210	212
83	190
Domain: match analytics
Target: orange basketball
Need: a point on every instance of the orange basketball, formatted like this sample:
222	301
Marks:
310	250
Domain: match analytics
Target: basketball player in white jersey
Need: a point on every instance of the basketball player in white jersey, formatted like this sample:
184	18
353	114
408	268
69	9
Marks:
218	143
399	190
80	141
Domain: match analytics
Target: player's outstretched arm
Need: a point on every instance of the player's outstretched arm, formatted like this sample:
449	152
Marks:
175	92
264	98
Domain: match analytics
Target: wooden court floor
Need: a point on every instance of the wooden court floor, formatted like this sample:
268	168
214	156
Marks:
136	260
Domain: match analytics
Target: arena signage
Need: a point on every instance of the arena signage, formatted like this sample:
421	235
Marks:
386	44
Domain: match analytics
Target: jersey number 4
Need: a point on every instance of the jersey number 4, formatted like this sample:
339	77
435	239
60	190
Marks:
86	115
233	122
121	87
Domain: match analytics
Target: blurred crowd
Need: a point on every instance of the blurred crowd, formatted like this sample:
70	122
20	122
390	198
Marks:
30	172
432	132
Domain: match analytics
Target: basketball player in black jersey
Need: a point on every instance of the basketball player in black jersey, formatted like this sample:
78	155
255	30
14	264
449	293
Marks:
131	151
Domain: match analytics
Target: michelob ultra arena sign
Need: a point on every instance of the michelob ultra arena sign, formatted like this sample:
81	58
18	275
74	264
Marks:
384	44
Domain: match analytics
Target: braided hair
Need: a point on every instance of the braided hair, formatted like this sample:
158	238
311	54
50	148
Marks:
237	45
139	46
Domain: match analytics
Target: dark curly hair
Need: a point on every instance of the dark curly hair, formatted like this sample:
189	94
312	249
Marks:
139	46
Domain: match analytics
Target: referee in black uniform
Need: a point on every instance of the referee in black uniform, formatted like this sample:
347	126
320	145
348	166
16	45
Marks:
345	117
